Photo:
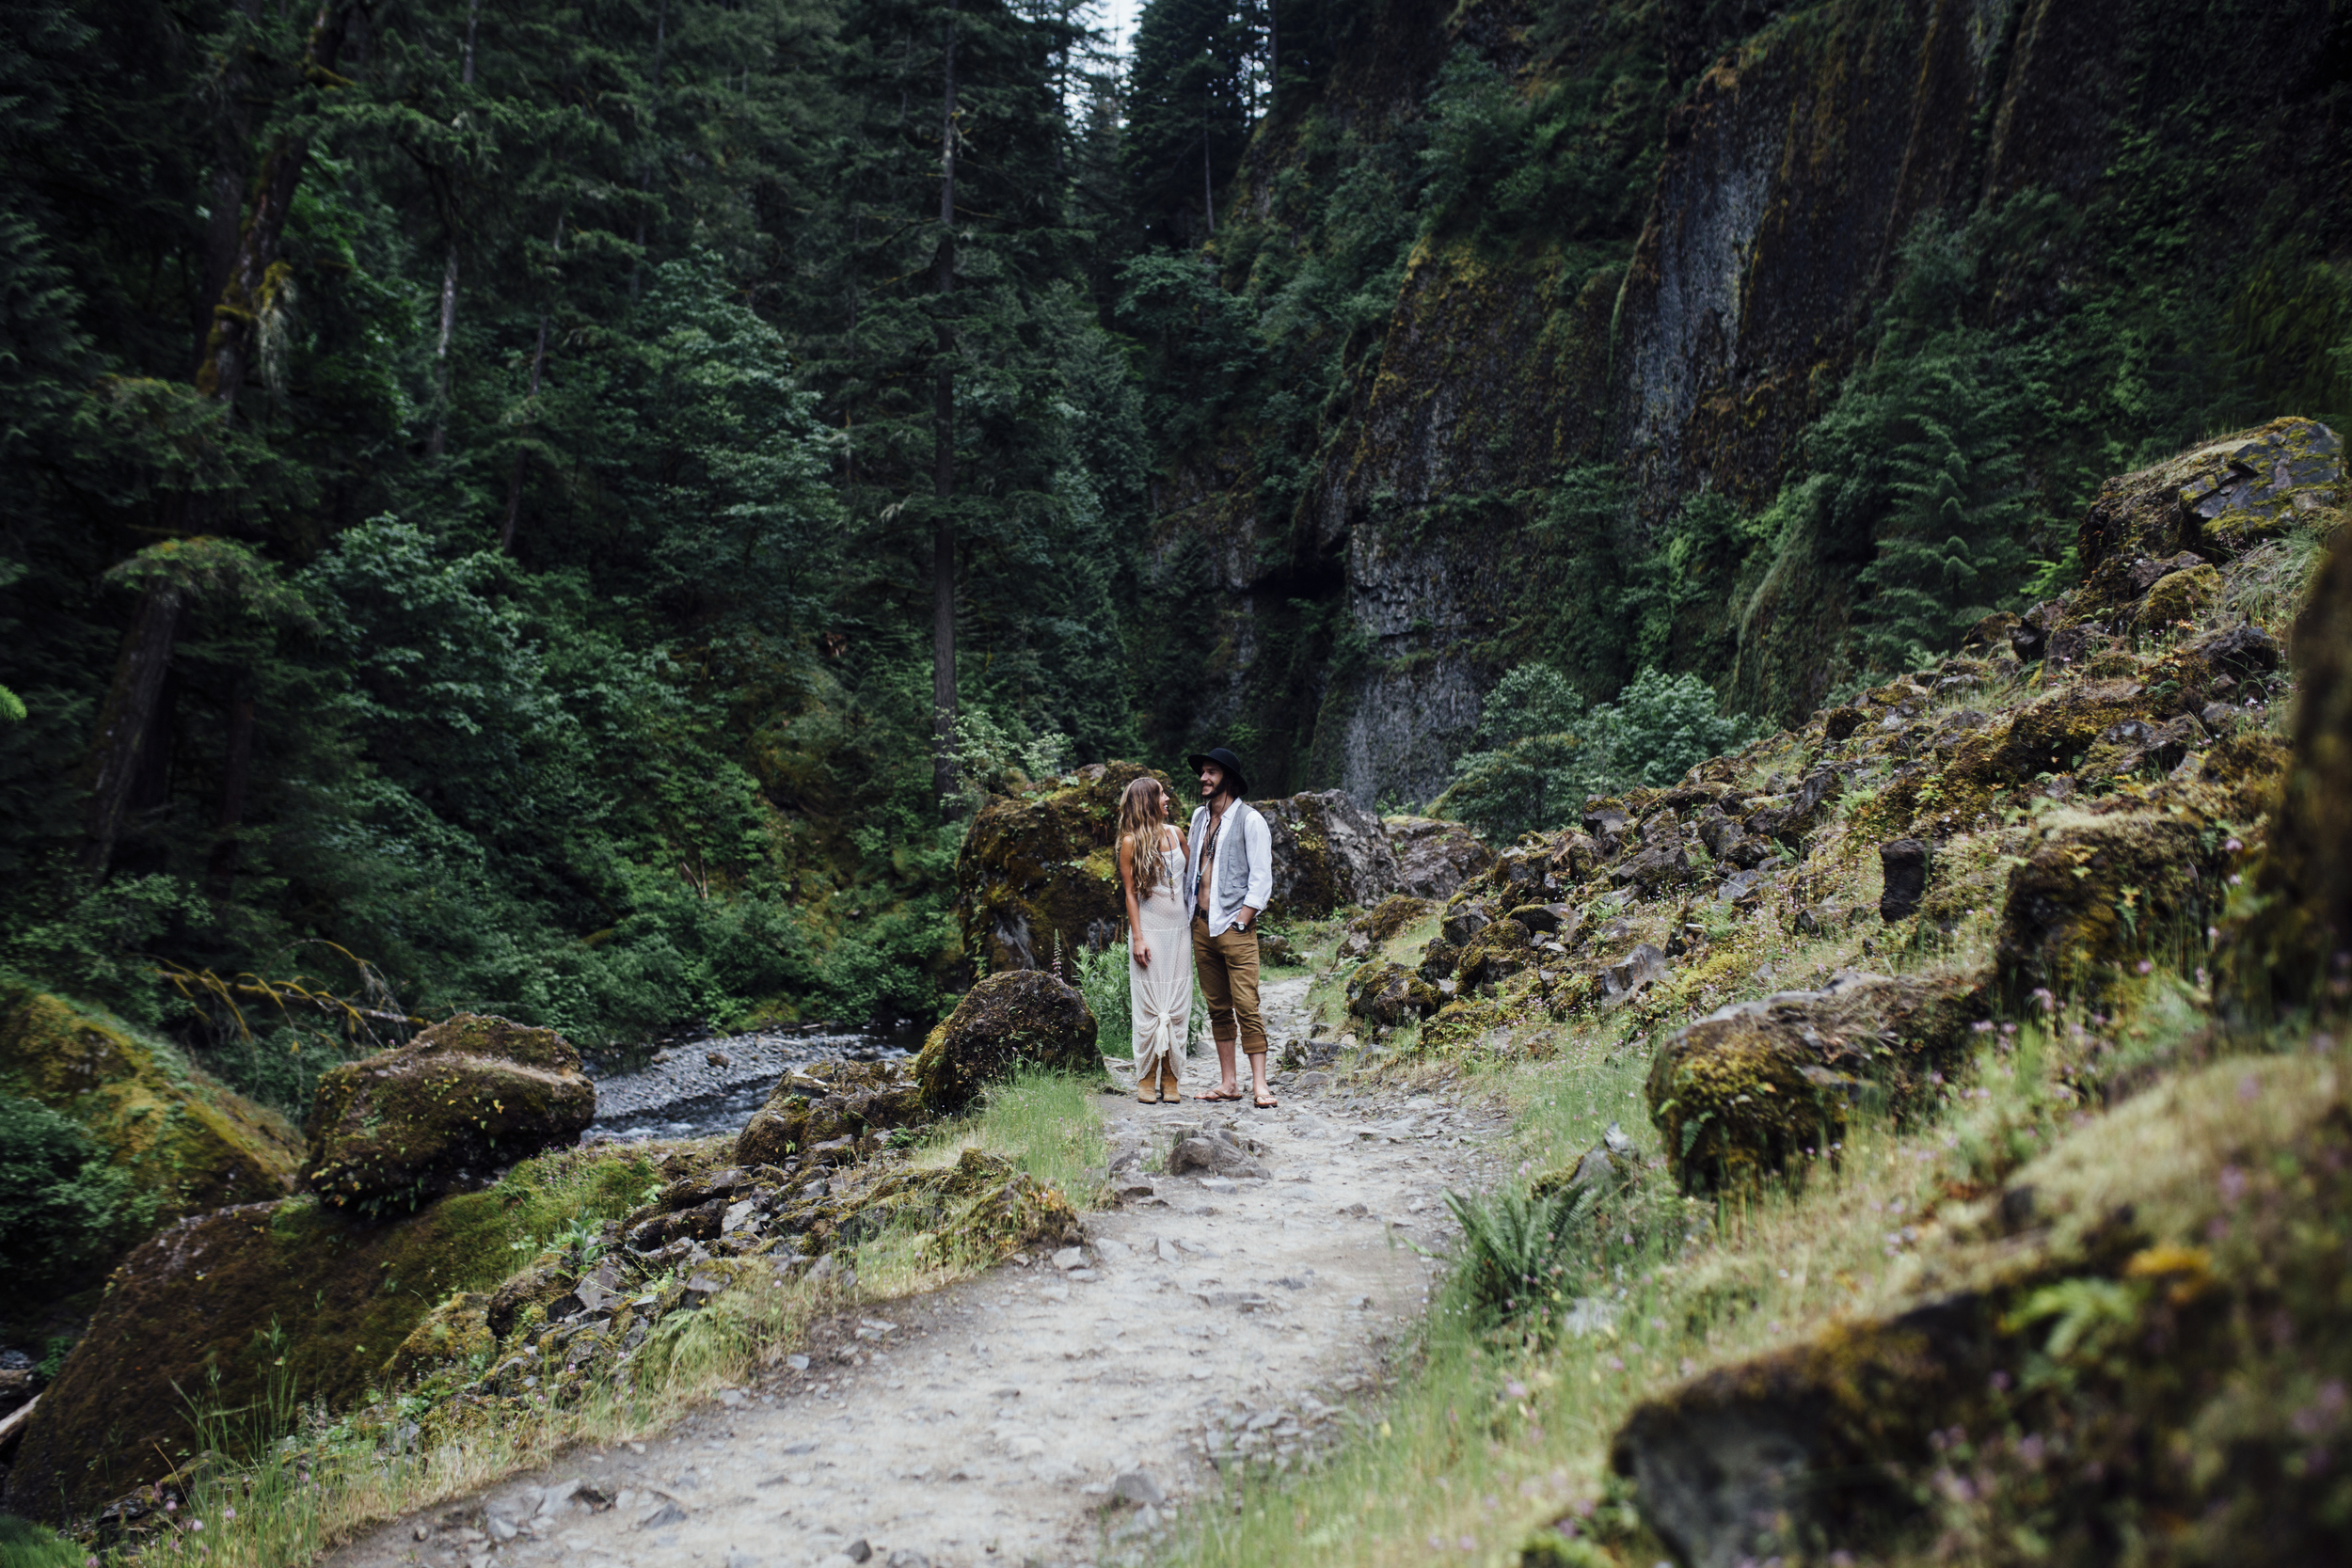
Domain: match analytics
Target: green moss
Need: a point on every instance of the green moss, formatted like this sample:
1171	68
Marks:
191	1142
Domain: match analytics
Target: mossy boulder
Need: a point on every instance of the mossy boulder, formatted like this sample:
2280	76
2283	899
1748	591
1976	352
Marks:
2291	949
1740	1093
2214	502
446	1111
2102	888
2177	597
2144	1324
1328	852
1388	993
845	1099
1019	1016
1433	858
191	1142
1037	871
1494	954
295	1289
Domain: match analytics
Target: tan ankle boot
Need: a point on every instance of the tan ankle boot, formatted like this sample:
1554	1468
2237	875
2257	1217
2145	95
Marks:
1171	1092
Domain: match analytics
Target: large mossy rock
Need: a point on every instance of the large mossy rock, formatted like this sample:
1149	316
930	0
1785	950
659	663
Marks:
1039	869
1021	1017
2293	948
446	1111
2209	506
1328	852
331	1295
1740	1093
837	1100
183	1137
2143	1328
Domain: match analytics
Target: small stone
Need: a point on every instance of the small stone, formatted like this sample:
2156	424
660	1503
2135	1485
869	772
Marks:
1071	1257
798	1363
906	1557
501	1529
668	1513
1136	1486
857	1551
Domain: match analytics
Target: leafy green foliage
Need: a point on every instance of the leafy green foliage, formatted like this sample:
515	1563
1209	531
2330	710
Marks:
1546	750
62	1206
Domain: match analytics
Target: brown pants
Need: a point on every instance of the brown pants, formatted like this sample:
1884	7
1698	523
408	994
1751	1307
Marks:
1228	967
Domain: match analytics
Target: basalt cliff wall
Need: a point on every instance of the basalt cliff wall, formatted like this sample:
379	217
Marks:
1492	456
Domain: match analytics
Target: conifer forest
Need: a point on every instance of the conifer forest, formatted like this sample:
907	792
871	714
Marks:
568	511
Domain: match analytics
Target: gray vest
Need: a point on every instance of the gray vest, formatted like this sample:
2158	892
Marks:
1231	849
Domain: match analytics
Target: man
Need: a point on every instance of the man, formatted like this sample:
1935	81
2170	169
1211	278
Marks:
1229	862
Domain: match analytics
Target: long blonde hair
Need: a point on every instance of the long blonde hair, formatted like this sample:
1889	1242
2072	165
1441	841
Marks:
1142	815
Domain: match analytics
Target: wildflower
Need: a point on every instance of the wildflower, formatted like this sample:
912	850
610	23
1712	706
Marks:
2144	967
1514	1390
228	1515
2043	1000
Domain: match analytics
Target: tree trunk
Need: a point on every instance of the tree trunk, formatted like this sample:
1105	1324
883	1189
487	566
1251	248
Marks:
515	480
237	773
229	346
127	720
944	463
439	442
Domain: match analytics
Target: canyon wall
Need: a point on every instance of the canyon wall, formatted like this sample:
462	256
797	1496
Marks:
1500	456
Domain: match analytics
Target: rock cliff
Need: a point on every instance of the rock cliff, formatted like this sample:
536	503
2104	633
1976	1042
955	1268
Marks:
1636	253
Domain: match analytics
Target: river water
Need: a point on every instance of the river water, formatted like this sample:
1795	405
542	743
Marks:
698	1089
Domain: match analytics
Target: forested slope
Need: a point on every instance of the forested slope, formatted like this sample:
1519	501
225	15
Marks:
488	482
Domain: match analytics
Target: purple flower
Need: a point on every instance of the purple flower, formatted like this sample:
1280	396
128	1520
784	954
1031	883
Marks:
1514	1390
2232	1183
2249	1087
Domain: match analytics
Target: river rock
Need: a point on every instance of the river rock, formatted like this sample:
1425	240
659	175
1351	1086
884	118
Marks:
1738	1093
465	1099
191	1143
1328	852
1214	1152
1433	858
1021	1015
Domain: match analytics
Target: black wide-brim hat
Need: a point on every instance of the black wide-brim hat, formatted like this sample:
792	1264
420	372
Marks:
1226	760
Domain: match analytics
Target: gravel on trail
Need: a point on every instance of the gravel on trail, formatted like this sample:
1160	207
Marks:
1057	1412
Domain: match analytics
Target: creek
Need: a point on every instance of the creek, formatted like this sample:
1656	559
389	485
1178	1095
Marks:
704	1087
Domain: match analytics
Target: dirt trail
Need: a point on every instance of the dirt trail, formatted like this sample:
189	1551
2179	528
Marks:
1040	1414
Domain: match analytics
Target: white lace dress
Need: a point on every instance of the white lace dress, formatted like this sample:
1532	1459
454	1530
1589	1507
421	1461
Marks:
1161	995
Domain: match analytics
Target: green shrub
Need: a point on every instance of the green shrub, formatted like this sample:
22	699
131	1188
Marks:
62	1207
1548	753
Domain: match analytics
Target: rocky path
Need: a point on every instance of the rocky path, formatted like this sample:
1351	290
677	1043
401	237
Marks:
1044	1414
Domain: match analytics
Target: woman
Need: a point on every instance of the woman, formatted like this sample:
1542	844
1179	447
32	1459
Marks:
1159	977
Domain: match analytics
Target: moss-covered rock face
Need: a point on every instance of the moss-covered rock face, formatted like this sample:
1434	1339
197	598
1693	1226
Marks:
838	1100
461	1101
2292	948
2145	1325
186	1139
2212	505
1020	1016
1741	1092
1039	869
294	1289
1327	851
